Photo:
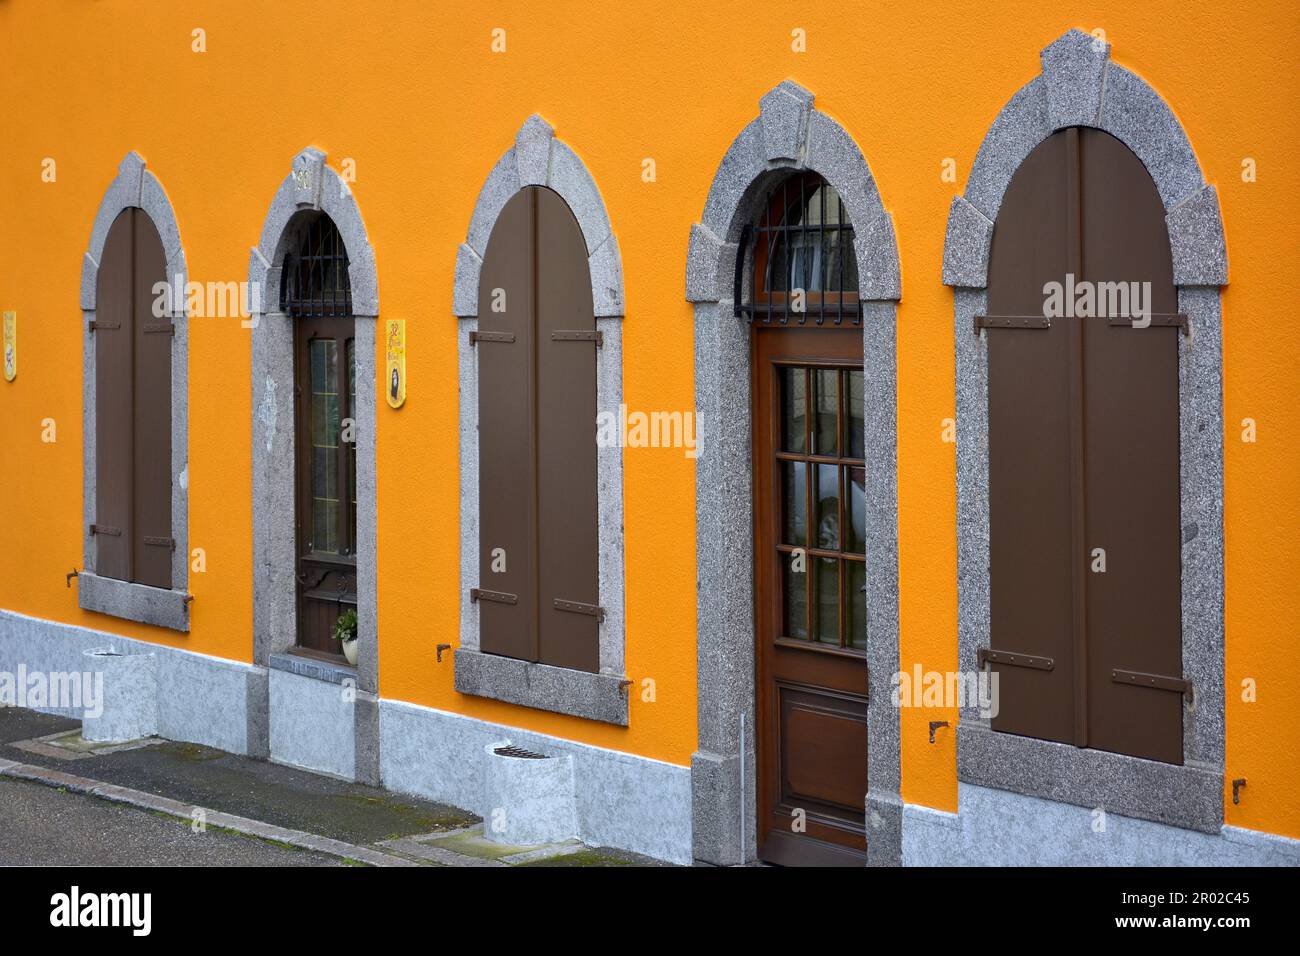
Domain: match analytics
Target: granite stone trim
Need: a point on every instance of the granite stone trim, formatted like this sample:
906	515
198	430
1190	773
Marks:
160	607
1184	796
1130	110
997	828
135	186
778	141
311	185
538	158
311	667
594	696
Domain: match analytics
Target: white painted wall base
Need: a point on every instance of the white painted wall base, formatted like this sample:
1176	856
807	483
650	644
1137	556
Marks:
201	699
623	801
999	828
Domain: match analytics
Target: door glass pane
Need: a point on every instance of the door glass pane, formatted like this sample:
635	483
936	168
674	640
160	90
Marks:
827	391
324	439
827	505
827	585
855	509
793	409
795	587
794	503
855	581
853	412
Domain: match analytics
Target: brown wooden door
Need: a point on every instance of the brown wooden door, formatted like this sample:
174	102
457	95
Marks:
810	595
325	395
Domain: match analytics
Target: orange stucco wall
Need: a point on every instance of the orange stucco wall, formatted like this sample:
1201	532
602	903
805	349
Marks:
413	94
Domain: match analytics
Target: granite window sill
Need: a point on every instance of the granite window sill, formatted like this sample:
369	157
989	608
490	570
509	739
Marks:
601	697
313	668
1184	796
161	607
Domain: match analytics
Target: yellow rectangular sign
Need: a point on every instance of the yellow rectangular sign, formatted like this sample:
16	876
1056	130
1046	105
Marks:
11	345
395	362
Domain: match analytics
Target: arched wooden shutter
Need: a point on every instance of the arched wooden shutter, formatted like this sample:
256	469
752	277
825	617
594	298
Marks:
132	407
566	442
507	456
114	406
1084	458
152	413
536	341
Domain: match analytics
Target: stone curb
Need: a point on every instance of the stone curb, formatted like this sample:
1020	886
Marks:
185	811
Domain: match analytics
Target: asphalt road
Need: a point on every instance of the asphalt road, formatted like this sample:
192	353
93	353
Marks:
43	826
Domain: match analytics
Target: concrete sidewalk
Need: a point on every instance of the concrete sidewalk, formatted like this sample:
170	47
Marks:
308	818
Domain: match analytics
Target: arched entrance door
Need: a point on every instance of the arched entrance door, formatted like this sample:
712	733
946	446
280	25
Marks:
809	529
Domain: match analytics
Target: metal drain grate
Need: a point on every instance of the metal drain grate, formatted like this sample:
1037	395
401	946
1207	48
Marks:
510	750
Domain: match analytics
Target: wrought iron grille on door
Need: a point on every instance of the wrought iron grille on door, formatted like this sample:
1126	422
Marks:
804	265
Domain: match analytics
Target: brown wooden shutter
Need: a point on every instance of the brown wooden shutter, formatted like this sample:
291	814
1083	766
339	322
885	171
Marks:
1030	456
152	508
506	436
568	576
1132	439
114	304
1084	454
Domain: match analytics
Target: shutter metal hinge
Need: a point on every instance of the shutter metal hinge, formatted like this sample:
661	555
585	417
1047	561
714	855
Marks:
577	607
476	337
579	335
1237	784
169	543
67	578
167	327
105	529
106	326
935	725
987	655
498	597
1154	681
1158	320
1011	322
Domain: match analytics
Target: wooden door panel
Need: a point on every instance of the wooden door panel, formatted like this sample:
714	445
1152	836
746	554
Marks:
114	418
823	743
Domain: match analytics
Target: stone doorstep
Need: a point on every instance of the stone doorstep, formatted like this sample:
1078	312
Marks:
186	812
70	745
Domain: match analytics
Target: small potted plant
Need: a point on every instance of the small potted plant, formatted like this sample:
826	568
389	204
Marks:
345	632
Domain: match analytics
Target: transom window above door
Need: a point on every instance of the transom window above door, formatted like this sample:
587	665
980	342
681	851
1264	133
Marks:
804	269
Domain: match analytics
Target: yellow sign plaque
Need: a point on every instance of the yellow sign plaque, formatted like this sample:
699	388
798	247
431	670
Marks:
395	362
11	345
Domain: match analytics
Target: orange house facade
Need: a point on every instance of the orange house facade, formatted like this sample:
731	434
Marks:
858	460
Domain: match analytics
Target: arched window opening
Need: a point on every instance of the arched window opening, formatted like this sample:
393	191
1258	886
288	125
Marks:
803	258
315	292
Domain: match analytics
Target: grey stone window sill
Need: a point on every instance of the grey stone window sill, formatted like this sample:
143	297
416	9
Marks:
1182	796
312	668
160	607
601	697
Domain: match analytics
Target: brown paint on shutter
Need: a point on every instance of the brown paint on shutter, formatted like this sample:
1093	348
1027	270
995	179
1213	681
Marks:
113	344
567	569
1029	455
1084	454
152	341
507	455
1132	438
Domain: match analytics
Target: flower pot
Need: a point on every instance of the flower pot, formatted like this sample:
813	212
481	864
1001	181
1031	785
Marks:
350	651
